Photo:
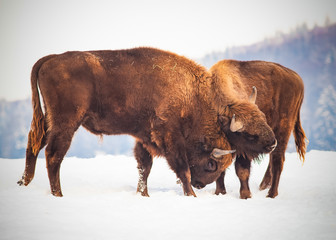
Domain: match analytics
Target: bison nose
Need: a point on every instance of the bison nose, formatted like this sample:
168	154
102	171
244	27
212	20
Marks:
199	185
272	147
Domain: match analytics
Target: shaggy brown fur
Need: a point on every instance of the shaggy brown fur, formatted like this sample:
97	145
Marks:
280	95
158	97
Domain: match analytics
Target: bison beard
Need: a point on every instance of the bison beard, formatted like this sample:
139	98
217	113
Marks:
158	97
276	108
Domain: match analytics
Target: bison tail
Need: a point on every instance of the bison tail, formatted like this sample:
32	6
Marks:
301	140
37	129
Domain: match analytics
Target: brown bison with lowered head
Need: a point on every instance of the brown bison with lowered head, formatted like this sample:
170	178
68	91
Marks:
280	96
157	97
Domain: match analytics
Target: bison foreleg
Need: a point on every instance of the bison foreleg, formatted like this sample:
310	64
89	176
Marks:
185	178
142	183
242	166
183	174
220	185
145	161
181	168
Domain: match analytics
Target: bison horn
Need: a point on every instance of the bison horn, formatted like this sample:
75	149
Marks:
253	96
235	125
218	153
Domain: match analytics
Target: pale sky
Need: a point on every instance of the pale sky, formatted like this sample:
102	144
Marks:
31	29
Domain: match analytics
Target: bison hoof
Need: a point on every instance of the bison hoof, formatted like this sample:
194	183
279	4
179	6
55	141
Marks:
57	193
266	183
191	193
263	186
222	192
20	182
245	194
144	193
272	194
23	181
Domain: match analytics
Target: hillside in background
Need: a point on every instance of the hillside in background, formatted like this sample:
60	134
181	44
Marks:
309	52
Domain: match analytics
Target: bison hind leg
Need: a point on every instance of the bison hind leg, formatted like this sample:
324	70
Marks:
145	161
58	143
31	158
267	180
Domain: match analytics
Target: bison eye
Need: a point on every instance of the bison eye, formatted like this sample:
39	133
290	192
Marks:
250	137
211	166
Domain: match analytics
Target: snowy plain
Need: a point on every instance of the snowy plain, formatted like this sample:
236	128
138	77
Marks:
100	202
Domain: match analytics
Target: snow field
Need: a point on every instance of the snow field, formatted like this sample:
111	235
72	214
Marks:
100	202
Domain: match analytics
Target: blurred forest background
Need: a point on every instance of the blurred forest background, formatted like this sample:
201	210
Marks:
309	52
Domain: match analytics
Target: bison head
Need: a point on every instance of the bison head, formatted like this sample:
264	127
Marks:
246	128
207	165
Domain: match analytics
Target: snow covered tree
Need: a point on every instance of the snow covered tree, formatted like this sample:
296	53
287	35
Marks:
325	124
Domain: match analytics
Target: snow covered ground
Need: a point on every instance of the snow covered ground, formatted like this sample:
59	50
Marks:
100	203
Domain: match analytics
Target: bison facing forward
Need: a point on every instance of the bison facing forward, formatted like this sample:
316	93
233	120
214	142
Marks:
280	96
159	98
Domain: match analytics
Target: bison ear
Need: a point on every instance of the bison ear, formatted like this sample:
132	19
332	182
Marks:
235	125
205	143
253	97
224	122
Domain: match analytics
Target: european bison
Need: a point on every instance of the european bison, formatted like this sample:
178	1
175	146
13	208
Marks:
158	97
280	96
